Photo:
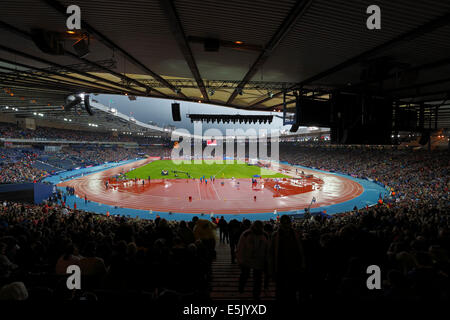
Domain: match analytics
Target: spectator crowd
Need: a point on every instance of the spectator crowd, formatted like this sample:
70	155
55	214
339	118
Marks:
310	259
8	130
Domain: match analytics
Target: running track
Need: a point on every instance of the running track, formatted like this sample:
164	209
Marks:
233	197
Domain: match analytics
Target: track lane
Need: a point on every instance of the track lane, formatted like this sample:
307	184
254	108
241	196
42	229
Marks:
230	198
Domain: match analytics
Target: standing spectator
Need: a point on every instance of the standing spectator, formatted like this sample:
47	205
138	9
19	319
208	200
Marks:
191	224
223	230
163	231
252	254
204	230
287	261
185	233
234	228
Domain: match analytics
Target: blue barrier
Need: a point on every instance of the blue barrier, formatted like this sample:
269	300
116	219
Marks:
369	197
42	191
27	192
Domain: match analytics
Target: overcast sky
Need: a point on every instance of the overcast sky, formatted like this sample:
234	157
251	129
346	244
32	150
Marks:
159	111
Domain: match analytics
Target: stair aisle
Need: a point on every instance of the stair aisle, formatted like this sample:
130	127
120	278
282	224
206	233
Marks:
225	279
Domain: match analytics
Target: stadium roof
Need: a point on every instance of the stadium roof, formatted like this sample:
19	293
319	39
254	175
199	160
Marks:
157	48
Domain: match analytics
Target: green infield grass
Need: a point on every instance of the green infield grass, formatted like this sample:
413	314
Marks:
207	168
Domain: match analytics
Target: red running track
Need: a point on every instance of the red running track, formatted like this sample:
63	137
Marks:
231	197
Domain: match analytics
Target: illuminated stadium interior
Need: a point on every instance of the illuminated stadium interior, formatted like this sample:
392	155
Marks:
192	154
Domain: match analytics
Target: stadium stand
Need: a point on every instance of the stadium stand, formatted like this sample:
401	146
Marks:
407	234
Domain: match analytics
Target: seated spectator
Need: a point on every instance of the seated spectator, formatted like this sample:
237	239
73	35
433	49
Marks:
6	266
70	257
91	265
14	291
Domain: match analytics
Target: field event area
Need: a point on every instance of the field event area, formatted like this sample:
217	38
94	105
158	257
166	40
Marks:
221	169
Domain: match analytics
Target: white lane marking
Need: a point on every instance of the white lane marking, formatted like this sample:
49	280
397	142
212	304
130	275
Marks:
198	188
214	188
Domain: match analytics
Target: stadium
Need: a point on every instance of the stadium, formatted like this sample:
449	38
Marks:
271	153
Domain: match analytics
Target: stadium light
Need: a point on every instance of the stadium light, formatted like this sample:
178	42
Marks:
73	103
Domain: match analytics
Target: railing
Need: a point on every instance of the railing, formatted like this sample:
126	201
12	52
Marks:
43	140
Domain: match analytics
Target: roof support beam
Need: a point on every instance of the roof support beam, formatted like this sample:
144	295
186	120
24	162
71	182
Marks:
109	43
15	84
19	74
51	84
28	56
407	36
177	29
22	84
294	15
27	36
72	85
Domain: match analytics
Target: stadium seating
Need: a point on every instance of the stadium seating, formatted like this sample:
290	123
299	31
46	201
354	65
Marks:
407	235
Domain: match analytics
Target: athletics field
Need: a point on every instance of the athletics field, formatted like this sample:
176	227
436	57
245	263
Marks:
207	168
